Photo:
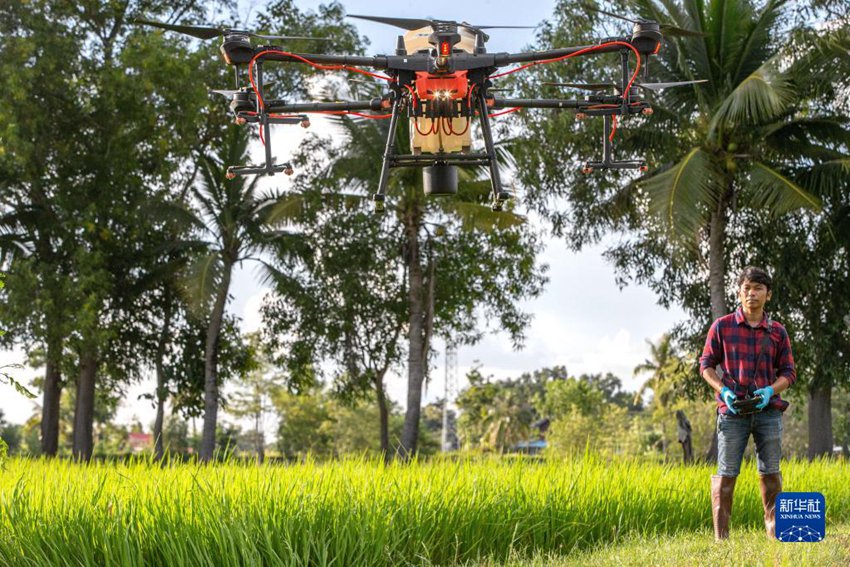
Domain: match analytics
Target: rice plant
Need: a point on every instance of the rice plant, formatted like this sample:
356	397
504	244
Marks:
362	512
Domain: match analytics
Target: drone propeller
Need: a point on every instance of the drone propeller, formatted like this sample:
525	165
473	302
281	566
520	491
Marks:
585	86
205	32
230	92
225	92
667	29
605	86
416	23
659	86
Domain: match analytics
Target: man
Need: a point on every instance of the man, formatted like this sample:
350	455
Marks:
752	356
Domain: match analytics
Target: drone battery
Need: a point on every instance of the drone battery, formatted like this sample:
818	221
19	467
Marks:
419	39
440	179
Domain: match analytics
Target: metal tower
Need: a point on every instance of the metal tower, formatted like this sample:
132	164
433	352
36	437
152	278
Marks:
450	391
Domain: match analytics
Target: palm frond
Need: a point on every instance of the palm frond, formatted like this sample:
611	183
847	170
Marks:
776	193
274	277
202	279
475	217
799	137
754	49
288	209
764	95
681	195
174	212
827	178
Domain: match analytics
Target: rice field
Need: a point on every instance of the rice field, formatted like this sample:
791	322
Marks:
362	512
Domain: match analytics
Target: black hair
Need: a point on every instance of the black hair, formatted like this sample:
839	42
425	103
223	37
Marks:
756	275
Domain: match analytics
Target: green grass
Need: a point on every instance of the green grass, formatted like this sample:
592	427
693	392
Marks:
697	549
358	512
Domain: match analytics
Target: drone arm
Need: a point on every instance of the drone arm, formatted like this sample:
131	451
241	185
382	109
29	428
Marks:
279	106
536	103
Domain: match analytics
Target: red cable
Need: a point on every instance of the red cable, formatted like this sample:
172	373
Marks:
579	52
352	113
308	62
495	114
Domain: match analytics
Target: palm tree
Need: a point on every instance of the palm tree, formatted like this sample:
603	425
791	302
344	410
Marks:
662	365
234	221
744	138
668	377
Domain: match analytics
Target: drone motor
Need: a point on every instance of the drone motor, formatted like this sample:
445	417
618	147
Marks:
236	49
646	37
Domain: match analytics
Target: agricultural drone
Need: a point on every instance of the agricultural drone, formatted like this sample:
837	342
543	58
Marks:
440	76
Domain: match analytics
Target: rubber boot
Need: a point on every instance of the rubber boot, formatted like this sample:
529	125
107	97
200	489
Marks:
771	486
722	491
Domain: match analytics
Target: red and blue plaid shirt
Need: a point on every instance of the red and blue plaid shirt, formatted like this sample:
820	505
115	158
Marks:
735	346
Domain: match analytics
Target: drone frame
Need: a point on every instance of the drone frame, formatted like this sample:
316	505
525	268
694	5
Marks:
479	67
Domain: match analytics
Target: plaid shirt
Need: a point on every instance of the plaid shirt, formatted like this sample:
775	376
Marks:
735	345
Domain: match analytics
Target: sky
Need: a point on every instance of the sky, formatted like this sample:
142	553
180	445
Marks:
582	320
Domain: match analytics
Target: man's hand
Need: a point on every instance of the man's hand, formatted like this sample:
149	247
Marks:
728	397
766	393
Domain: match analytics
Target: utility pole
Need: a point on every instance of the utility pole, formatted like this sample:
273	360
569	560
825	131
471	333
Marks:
449	391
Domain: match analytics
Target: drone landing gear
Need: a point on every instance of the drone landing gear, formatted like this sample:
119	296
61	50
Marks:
439	166
499	195
608	161
265	121
269	169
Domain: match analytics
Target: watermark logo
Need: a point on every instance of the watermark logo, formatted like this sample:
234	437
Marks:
800	517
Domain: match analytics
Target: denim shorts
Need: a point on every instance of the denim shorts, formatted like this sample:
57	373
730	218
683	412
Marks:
733	432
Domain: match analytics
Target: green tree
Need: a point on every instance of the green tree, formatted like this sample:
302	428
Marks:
583	418
175	435
256	389
11	435
305	424
79	178
342	304
495	415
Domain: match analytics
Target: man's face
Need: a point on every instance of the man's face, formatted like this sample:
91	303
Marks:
753	295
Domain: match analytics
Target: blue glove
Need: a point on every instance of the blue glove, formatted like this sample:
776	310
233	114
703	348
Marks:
728	396
766	393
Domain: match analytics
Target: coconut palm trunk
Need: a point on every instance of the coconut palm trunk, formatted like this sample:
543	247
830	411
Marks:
717	264
416	339
716	286
211	365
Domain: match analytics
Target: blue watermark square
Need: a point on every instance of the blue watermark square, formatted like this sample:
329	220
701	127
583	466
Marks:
800	517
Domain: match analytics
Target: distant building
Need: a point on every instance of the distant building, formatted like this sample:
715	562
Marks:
139	442
529	447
